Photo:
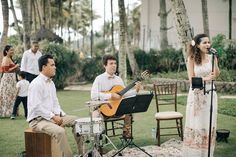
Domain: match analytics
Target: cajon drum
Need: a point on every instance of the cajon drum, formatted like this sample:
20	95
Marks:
37	144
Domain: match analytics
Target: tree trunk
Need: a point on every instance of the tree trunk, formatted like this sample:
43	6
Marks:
16	22
123	42
34	16
182	25
230	19
25	6
205	17
112	29
163	25
91	39
49	14
39	11
5	15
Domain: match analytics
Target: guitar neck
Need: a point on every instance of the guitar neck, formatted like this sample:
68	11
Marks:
122	92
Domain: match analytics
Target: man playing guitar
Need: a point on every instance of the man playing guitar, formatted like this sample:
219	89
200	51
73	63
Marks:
105	82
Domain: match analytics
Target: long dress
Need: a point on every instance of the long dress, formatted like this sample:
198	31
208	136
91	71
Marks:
196	132
7	93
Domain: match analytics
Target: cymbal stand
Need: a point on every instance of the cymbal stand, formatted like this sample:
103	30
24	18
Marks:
94	138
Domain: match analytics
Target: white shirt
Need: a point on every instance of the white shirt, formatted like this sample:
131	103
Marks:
29	62
42	99
23	86
103	83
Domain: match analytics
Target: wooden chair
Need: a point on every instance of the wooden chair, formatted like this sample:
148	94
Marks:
166	94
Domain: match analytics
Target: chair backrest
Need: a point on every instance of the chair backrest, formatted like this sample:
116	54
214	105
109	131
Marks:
165	94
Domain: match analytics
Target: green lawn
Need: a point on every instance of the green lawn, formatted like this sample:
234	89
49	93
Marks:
73	102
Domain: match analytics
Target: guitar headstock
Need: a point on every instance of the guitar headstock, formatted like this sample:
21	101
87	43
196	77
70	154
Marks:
145	74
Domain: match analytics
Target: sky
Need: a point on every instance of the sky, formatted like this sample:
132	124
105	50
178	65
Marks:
98	6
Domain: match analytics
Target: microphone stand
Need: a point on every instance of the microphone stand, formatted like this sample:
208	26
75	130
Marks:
211	106
197	84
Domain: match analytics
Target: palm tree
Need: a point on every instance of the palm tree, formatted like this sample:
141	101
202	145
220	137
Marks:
205	17
5	14
16	25
25	6
112	29
182	25
230	19
163	24
123	41
124	45
135	13
106	30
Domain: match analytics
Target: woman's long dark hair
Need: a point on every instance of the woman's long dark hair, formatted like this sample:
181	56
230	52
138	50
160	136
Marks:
7	48
194	51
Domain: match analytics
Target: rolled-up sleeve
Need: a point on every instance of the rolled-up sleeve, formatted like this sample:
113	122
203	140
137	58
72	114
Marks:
96	93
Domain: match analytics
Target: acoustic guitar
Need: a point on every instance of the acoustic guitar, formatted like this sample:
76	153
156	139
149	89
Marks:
110	108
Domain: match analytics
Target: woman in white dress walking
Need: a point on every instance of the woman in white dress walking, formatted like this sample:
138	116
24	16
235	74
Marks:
196	132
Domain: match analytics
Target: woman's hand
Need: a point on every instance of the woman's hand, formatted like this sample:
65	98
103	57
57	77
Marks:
17	66
209	77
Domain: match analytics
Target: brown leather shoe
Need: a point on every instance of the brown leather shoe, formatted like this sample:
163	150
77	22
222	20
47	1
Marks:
127	135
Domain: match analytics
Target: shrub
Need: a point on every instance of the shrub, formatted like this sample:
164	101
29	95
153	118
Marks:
226	50
159	61
67	63
92	67
227	75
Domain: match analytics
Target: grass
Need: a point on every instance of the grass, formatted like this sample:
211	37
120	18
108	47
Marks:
227	75
225	106
73	102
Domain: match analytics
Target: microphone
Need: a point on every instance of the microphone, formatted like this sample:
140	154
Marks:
212	50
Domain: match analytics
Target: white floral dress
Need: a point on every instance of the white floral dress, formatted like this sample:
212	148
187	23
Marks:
196	132
7	93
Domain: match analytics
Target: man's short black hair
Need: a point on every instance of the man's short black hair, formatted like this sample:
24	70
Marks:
22	74
43	60
34	42
107	57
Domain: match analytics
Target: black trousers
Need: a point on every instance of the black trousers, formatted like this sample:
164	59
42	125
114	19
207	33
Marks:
20	99
30	76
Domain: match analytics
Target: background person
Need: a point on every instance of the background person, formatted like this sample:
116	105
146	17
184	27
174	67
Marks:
8	82
104	82
196	132
29	62
44	112
21	94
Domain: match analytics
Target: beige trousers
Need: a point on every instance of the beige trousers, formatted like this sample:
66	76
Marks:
60	145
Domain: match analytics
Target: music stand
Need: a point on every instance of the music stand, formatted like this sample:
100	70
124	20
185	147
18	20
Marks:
136	104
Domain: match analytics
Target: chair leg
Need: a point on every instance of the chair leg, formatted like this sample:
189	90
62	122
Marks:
182	132
106	132
158	133
113	128
178	126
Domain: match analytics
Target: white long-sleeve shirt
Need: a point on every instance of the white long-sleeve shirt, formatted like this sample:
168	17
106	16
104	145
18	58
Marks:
42	99
29	62
103	83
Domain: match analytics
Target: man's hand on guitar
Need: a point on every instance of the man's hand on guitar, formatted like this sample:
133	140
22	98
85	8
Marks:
115	96
138	86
